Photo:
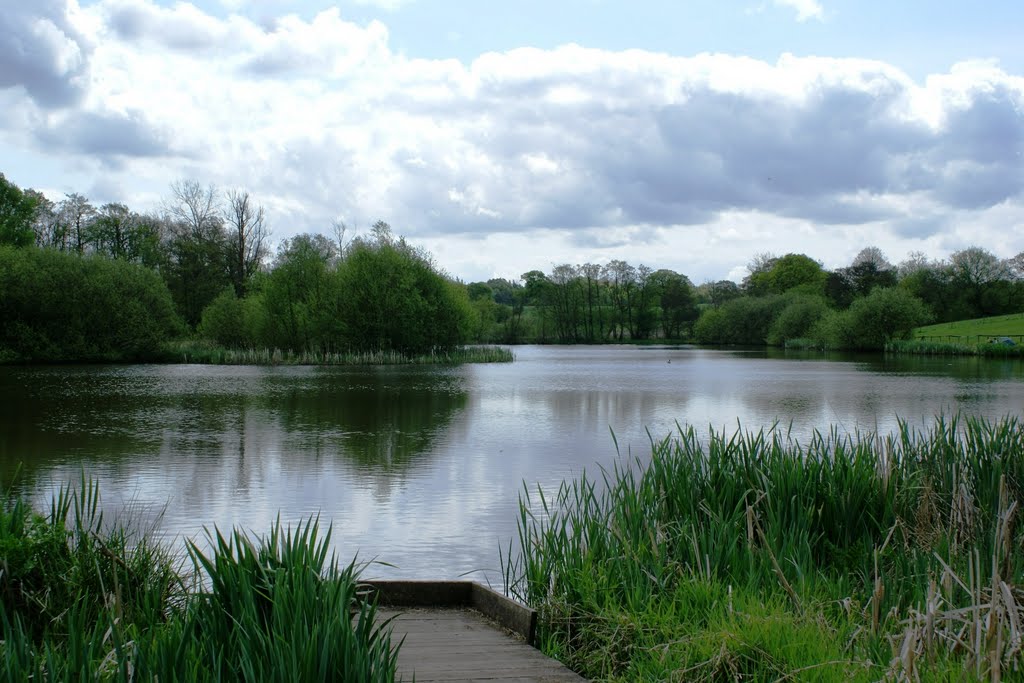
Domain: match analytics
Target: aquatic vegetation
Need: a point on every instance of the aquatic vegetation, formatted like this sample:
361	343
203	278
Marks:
86	601
754	556
199	352
939	348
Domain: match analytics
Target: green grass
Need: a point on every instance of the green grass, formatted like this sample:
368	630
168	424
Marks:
752	557
83	600
973	331
208	353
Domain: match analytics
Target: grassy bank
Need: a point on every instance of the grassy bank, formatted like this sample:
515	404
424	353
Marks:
977	330
82	600
204	352
752	557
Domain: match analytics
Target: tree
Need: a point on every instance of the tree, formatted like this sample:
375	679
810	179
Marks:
677	301
247	235
795	270
974	270
17	211
757	283
298	296
797	319
113	232
197	270
75	214
868	270
389	296
195	208
621	280
717	293
45	225
873	321
872	256
59	307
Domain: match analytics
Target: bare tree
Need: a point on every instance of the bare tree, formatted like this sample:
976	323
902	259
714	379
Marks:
873	256
195	208
247	240
1015	264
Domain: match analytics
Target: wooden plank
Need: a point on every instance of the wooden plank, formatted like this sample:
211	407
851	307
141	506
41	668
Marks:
452	644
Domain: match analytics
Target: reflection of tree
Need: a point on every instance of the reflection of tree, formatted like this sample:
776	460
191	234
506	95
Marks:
48	414
380	418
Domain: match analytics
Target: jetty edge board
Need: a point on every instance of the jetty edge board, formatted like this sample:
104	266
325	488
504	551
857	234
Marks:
462	631
510	614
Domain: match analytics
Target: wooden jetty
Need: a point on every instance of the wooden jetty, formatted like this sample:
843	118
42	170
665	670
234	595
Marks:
461	631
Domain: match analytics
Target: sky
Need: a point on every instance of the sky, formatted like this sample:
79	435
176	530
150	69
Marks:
506	137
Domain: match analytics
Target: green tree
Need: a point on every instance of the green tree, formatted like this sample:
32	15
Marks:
678	302
391	297
59	307
17	213
873	321
797	319
298	296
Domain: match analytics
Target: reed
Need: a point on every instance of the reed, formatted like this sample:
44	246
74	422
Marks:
83	600
923	347
206	353
750	555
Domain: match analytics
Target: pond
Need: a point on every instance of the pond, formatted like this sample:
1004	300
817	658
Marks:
422	467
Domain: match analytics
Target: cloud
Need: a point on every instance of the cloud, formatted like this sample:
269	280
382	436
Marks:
182	27
387	5
805	9
320	118
105	135
42	51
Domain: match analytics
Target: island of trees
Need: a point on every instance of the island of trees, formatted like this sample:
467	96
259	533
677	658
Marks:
81	282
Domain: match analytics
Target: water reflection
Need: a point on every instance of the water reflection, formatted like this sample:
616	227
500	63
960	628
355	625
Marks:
231	426
423	467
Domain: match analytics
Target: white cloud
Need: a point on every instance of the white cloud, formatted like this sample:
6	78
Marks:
805	9
387	5
572	153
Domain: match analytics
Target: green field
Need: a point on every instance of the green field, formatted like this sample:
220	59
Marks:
975	331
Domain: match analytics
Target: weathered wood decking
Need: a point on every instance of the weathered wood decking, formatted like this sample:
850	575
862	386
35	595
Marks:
462	631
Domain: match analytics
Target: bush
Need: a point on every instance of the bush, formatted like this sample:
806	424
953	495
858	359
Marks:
62	307
797	319
885	315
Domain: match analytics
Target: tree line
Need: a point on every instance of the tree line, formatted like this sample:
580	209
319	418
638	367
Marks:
784	300
207	253
80	282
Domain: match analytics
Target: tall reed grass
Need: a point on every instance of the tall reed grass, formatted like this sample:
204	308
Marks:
82	600
752	556
201	352
923	347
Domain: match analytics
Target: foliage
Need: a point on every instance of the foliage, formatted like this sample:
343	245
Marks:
872	322
745	321
59	307
749	556
391	297
779	275
17	210
797	319
86	601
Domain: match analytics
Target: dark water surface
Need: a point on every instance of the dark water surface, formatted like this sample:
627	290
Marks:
422	467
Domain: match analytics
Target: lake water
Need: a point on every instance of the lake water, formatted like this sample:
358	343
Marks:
422	467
